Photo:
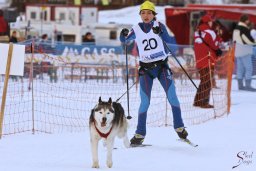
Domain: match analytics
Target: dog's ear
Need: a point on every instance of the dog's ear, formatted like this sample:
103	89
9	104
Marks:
100	101
110	100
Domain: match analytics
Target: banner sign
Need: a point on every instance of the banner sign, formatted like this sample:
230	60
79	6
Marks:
61	49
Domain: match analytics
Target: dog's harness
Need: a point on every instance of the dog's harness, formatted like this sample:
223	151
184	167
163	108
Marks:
102	134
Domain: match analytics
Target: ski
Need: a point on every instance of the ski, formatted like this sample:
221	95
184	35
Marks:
141	145
134	146
188	142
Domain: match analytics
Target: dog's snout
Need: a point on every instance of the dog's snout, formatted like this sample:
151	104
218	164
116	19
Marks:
104	119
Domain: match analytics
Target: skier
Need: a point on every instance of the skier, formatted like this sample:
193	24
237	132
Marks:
149	36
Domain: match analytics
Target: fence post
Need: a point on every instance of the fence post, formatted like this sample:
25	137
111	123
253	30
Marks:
7	73
230	60
32	84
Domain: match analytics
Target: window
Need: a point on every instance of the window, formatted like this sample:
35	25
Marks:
62	16
69	38
112	35
88	2
92	14
33	15
43	15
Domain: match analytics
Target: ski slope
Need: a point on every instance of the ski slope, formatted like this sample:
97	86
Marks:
220	141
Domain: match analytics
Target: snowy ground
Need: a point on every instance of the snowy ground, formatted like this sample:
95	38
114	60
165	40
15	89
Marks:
220	141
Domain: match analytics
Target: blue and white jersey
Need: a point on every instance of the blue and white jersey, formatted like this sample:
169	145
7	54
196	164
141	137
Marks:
149	44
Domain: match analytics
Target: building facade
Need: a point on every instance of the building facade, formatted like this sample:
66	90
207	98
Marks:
101	4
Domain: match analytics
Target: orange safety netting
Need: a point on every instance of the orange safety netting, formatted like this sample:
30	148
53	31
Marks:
57	92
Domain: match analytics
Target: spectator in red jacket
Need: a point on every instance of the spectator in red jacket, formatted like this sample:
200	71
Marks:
3	25
206	47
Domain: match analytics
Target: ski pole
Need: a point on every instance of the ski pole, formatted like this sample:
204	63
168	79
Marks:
127	82
165	44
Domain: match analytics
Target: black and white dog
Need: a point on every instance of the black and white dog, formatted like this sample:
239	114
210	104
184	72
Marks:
107	121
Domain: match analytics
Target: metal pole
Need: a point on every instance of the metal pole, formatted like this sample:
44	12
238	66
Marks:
179	63
210	72
175	57
127	82
32	83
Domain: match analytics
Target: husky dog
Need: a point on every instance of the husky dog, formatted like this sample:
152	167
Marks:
107	121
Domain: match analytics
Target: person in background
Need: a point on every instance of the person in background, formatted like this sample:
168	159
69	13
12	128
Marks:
44	38
14	38
44	44
44	47
88	38
3	24
243	53
4	28
153	56
206	47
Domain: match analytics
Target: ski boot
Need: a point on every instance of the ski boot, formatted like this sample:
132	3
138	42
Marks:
137	139
182	133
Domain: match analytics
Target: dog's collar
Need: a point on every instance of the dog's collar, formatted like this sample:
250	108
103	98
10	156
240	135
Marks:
102	134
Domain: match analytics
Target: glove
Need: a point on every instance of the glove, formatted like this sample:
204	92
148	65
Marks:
157	30
218	52
124	32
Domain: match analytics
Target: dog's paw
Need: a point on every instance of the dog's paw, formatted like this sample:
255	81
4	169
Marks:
95	165
109	164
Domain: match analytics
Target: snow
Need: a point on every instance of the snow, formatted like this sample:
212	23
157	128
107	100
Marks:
131	15
214	1
219	140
